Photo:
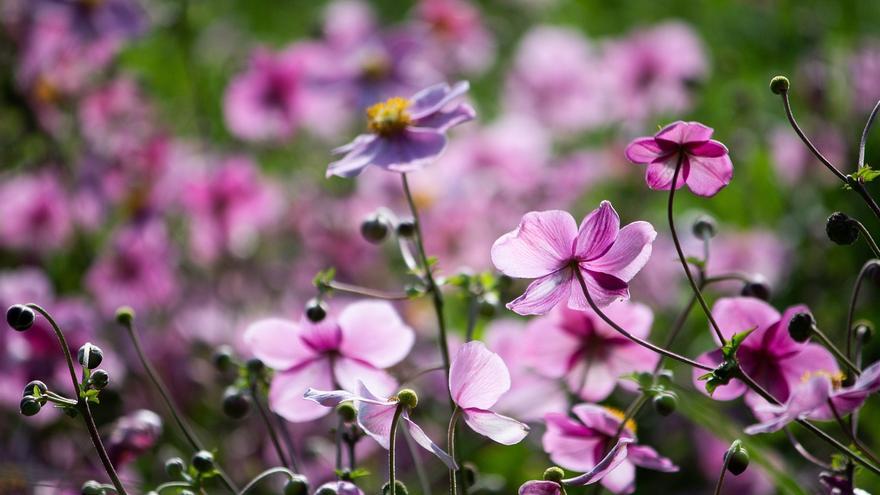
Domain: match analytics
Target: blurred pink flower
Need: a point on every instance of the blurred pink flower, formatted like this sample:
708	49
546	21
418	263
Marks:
133	435
366	338
35	212
710	452
864	68
580	444
792	160
580	347
548	247
705	165
111	19
405	134
456	38
477	379
115	119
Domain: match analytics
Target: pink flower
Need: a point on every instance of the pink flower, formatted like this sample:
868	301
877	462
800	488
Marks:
366	338
609	463
116	120
579	444
768	355
477	379
405	134
548	247
458	40
375	416
35	212
705	168
133	435
580	347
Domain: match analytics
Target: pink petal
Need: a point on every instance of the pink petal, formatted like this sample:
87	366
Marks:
659	173
706	175
597	233
540	245
373	332
600	419
569	443
478	377
643	150
359	154
329	398
504	430
622	479
276	342
422	439
598	383
636	318
738	314
548	347
434	98
629	253
776	336
604	290
543	294
685	133
349	373
540	488
412	150
810	359
288	387
709	149
648	458
444	120
609	463
805	399
375	418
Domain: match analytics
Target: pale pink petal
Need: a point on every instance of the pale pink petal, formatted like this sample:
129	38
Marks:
609	463
597	233
543	294
373	332
643	150
361	153
708	175
288	387
504	430
376	420
478	377
349	373
422	439
622	479
444	120
541	245
659	173
805	399
540	488
812	358
411	150
598	418
434	98
738	314
604	290
592	381
276	342
648	458
636	318
329	398
570	444
628	255
548	347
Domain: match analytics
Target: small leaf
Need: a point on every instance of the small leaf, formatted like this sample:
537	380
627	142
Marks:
866	174
699	263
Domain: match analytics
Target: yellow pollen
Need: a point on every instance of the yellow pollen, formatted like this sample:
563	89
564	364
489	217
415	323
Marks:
837	378
44	91
617	413
389	117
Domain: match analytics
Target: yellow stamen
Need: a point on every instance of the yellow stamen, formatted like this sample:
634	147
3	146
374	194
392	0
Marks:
837	378
617	413
389	117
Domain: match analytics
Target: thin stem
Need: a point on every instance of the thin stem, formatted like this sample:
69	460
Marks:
684	264
421	373
83	405
270	428
631	412
721	476
172	484
351	442
676	329
288	442
339	424
392	439
265	474
191	437
853	300
417	463
58	399
366	291
803	450
834	350
632	337
868	238
855	439
450	444
863	141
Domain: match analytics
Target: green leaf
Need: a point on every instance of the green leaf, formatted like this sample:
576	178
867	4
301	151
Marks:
698	262
729	349
866	174
324	277
357	473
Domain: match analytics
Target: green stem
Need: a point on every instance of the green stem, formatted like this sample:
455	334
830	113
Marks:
173	484
82	404
417	463
366	291
864	139
265	474
869	239
854	438
837	352
270	428
450	444
721	476
392	439
853	300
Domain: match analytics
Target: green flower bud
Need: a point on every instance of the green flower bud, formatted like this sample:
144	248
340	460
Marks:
100	379
779	85
91	487
758	289
125	315
175	467
347	412
408	398
296	485
316	310
374	229
665	403
469	474
864	331
29	388
554	474
399	488
704	227
29	406
236	404
255	366
737	458
406	229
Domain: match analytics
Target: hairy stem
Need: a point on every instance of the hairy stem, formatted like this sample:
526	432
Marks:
392	440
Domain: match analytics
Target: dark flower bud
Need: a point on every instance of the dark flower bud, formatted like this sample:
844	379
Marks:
29	388
95	356
704	227
408	398
399	488
223	358
800	327
374	229
327	490
864	331
406	229
665	403
554	474
203	461
20	317
737	458
779	85
100	379
469	474
345	475
296	485
842	229
255	365
316	310
29	405
175	467
347	412
236	405
758	289
91	487
125	315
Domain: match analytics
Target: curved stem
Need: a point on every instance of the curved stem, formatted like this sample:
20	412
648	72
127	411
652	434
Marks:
684	264
270	428
417	463
172	484
392	440
450	444
632	337
265	474
864	139
855	439
721	476
853	300
82	404
366	291
868	238
191	437
421	373
837	352
803	450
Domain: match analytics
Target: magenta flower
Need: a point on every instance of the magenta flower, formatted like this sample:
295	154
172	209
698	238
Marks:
769	355
609	463
705	166
580	347
477	379
580	444
36	214
376	415
405	134
133	435
548	247
366	338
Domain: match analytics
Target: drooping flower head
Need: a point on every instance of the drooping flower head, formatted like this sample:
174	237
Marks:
548	246
405	134
477	379
705	165
357	346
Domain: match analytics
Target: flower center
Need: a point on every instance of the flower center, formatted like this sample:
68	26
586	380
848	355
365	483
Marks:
45	92
837	378
389	117
617	413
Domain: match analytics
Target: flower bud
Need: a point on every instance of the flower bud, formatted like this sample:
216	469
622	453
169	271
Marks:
29	388
759	289
223	358
554	474
29	406
100	379
296	485
469	473
374	229
20	317
864	331
236	405
399	488
91	487
779	85
347	412
316	310
175	467
842	229
737	458
800	327
95	356
408	398
704	227
255	365
406	229
125	315
203	461
665	403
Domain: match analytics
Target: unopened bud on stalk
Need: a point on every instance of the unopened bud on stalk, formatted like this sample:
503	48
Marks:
779	85
125	315
758	289
296	485
665	403
347	412
842	229
20	317
100	379
737	458
800	327
316	310
399	488
408	398
94	353
554	474
374	229
175	467
704	227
